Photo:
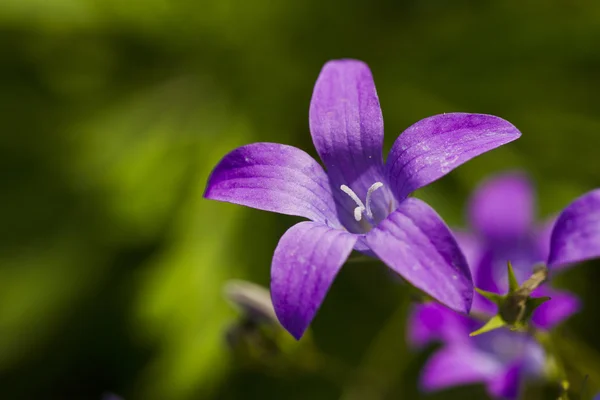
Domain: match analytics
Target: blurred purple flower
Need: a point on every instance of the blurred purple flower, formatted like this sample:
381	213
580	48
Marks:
501	214
499	359
360	202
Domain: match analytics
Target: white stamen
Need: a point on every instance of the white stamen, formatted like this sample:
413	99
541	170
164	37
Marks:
373	188
358	213
360	209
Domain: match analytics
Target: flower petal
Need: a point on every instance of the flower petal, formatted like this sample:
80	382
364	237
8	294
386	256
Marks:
431	322
434	146
306	260
417	244
274	177
502	208
507	384
347	129
576	233
458	365
470	245
485	278
560	307
542	233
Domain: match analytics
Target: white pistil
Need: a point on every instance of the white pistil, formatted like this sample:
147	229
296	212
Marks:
361	208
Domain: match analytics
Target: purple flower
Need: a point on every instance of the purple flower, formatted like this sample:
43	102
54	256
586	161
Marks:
501	211
501	214
361	202
499	359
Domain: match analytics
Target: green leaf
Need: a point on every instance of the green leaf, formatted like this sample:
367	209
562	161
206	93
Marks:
494	323
513	284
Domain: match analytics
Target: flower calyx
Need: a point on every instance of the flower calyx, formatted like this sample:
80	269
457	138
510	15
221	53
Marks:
516	307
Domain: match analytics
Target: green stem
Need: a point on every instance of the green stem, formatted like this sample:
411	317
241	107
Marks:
545	339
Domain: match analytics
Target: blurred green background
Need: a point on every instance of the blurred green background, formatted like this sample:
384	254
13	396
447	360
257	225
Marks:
114	112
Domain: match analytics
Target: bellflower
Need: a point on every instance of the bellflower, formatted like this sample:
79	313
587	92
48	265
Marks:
499	359
501	214
501	209
359	202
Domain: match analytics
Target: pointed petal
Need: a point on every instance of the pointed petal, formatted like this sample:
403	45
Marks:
431	322
347	129
502	208
560	307
306	260
457	366
417	244
274	177
576	234
434	146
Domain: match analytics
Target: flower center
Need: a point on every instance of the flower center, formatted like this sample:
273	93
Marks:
361	208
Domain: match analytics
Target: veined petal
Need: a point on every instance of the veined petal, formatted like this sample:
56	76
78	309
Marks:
274	177
560	307
576	233
459	365
417	244
431	322
306	260
502	208
434	146
347	129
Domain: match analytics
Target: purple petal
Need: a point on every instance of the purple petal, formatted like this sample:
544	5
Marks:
502	208
434	146
347	129
542	237
560	307
507	384
417	244
274	177
576	234
431	322
486	277
471	247
306	260
458	365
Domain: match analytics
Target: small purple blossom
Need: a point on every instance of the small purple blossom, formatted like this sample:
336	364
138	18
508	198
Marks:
499	359
359	202
501	214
